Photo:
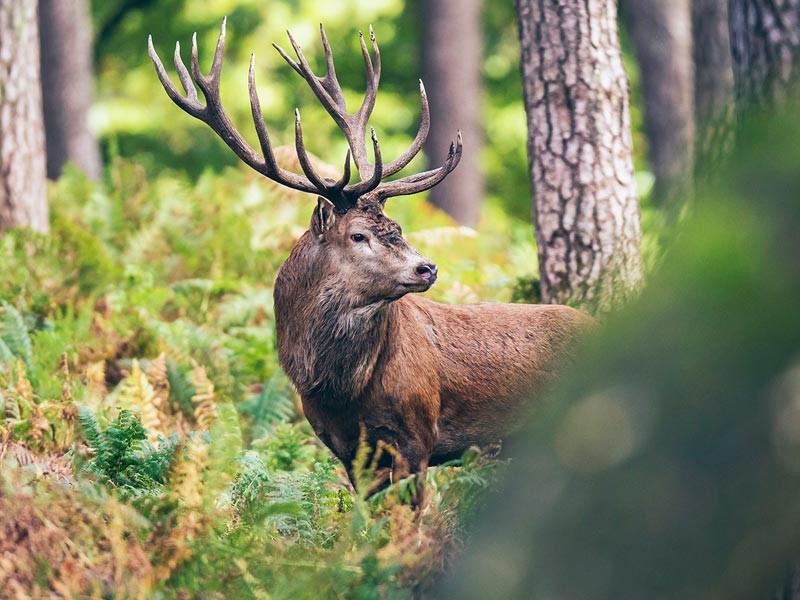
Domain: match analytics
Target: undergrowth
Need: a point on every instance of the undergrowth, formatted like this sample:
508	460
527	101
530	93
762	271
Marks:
150	446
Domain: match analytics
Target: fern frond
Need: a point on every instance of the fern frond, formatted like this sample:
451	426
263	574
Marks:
249	481
14	334
66	391
155	461
6	355
91	429
181	390
205	405
96	380
135	391
275	404
24	387
159	380
186	489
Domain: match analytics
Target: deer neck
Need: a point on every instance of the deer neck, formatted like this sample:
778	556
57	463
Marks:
328	347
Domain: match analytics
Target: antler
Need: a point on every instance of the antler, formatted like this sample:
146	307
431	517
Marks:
329	92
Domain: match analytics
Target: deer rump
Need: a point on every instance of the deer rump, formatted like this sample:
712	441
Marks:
422	379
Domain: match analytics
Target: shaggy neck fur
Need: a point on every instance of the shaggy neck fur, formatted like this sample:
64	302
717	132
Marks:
326	345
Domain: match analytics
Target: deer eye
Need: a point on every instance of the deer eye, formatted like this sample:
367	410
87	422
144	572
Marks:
358	237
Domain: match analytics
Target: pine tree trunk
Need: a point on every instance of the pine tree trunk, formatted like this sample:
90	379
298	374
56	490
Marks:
66	53
585	206
713	80
23	200
765	40
662	35
452	66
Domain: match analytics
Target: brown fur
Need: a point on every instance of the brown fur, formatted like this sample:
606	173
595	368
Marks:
429	379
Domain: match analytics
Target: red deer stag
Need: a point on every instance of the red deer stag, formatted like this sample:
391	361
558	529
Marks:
428	379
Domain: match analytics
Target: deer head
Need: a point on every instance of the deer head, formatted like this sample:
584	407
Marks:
348	225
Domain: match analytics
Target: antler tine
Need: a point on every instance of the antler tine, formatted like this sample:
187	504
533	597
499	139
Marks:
372	182
288	58
345	174
422	134
209	84
258	118
183	74
373	78
361	118
216	64
329	92
272	170
214	115
191	104
315	83
330	189
330	81
302	155
420	182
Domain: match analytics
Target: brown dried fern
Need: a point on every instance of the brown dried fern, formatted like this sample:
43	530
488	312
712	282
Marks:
205	404
186	489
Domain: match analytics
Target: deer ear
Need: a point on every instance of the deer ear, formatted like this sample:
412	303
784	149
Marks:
323	218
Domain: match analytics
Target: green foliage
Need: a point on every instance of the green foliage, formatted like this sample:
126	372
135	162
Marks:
121	456
154	315
272	406
14	338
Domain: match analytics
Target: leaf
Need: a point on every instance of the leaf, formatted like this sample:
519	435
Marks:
274	405
14	334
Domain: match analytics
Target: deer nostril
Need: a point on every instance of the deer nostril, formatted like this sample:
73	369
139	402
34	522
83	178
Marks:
427	271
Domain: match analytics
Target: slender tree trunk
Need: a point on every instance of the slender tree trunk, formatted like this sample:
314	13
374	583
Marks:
452	65
713	82
66	53
585	207
662	35
765	40
23	200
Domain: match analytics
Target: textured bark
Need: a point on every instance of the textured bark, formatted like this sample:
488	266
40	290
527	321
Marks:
66	62
451	65
765	41
22	173
585	207
662	35
713	81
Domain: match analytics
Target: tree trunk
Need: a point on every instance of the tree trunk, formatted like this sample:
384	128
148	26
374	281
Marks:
452	66
662	35
765	40
23	201
585	207
713	83
66	52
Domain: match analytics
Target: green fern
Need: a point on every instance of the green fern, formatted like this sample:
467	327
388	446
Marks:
249	481
274	405
181	390
155	461
122	456
289	447
14	335
91	429
5	352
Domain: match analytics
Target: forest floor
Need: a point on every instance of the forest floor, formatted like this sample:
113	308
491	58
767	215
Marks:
150	446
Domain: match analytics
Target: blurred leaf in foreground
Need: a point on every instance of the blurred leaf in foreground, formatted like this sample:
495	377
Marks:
668	465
